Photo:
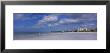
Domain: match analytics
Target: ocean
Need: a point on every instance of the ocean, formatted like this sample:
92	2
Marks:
55	36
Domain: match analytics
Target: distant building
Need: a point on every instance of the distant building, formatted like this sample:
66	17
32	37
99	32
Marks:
83	29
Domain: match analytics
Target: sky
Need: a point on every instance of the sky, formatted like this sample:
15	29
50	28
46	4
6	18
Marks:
46	22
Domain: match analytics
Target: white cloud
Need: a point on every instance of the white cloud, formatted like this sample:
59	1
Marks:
84	25
19	16
88	17
52	20
71	20
49	18
63	21
49	24
66	20
54	24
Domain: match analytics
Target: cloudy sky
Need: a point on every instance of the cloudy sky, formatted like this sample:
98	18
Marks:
46	22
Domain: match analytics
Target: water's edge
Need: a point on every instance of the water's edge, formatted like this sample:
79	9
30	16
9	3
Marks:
56	36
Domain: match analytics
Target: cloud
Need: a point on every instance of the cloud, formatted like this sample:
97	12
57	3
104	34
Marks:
19	16
54	24
49	24
49	18
67	20
87	24
23	17
54	20
71	20
88	17
63	21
